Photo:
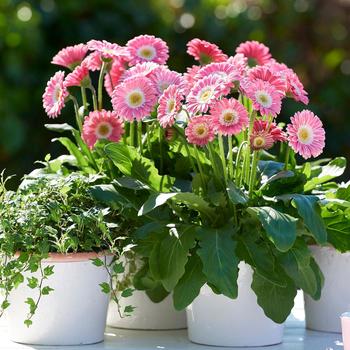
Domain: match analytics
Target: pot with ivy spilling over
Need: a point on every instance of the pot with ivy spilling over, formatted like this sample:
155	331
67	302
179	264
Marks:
58	250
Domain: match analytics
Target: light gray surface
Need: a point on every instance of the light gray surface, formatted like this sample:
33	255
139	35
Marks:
295	338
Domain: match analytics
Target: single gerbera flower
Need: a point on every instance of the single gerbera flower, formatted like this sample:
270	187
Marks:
265	97
144	69
114	75
199	131
265	134
71	56
93	61
147	48
240	62
189	79
107	50
135	98
55	95
229	117
296	88
169	106
79	77
204	93
162	77
102	125
257	53
306	134
205	52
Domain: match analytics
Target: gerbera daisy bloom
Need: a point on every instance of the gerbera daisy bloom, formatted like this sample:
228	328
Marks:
226	71
71	56
169	106
306	134
79	77
93	61
134	98
114	76
102	125
204	93
265	134
55	95
296	88
188	79
265	97
144	69
199	131
107	50
228	116
205	52
147	48
257	53
162	77
240	62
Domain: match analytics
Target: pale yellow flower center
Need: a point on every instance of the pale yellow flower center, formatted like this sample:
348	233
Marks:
103	130
135	99
147	52
259	142
57	94
201	130
228	117
171	106
205	95
263	98
305	135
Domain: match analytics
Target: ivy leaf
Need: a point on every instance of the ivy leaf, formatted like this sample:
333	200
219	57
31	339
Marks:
105	287
190	283
279	227
217	252
46	290
32	282
128	292
97	262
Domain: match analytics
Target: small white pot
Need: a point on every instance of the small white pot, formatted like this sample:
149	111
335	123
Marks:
220	321
147	315
324	314
74	313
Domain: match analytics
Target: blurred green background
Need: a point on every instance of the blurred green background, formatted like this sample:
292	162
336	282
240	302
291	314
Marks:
312	36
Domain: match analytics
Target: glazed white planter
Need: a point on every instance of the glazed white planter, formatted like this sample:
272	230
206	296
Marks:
324	314
220	321
147	315
74	313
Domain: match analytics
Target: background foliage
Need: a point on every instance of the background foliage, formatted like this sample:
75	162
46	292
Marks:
309	35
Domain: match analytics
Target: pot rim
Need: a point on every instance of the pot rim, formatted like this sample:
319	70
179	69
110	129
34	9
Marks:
73	257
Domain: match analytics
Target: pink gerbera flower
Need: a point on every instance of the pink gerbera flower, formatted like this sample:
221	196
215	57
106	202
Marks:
296	88
169	106
205	52
93	61
226	71
306	134
134	98
257	53
79	77
228	116
71	56
265	97
199	131
55	95
148	48
114	76
189	79
162	77
102	125
204	93
240	62
265	134
107	50
144	69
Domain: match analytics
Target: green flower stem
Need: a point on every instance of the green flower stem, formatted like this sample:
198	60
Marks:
132	133
139	136
83	96
94	98
100	85
212	158
253	172
222	155
76	110
230	157
148	133
160	138
201	174
286	160
238	176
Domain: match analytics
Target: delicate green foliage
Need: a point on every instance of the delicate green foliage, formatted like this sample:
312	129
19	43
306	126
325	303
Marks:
105	287
97	262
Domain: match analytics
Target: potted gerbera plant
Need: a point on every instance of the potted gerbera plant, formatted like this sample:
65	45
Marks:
57	247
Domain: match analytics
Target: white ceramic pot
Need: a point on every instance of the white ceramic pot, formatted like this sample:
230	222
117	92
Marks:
74	313
147	315
220	321
324	314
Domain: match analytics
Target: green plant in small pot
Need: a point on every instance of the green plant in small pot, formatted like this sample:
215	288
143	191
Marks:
60	250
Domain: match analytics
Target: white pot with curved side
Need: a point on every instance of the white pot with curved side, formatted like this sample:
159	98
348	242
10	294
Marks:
220	321
74	313
324	314
147	314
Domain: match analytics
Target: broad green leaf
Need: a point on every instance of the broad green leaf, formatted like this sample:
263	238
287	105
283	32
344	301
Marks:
155	200
333	169
309	210
319	278
109	195
236	195
279	227
269	168
59	127
173	255
154	266
217	252
190	283
279	175
277	302
131	183
157	294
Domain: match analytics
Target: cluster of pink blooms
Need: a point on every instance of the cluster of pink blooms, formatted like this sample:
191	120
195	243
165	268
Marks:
211	93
